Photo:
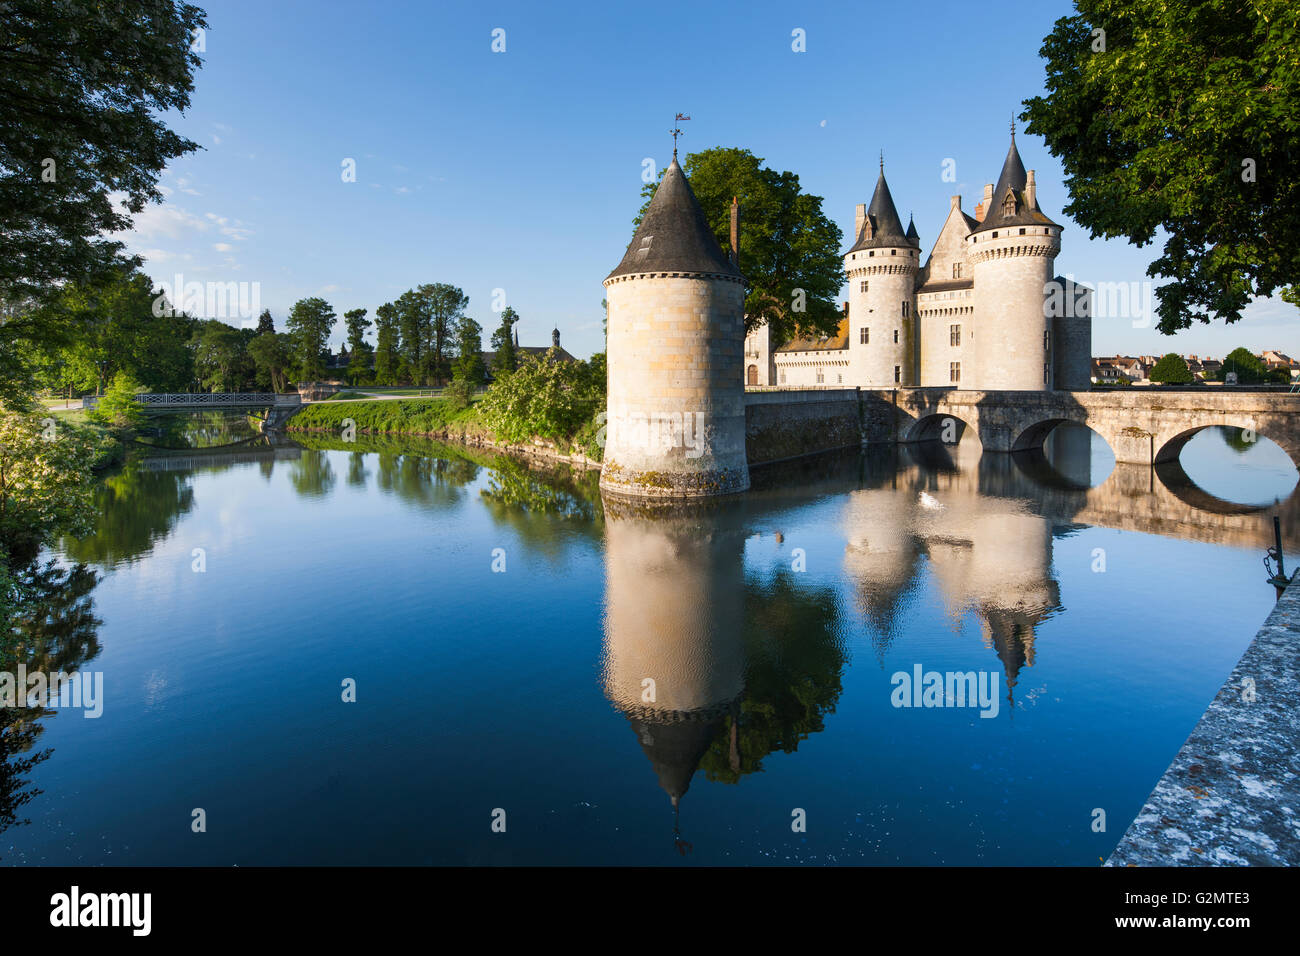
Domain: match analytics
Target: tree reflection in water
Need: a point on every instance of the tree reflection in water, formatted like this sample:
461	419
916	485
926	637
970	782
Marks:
51	628
137	507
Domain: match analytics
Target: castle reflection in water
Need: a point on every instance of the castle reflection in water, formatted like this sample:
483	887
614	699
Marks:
686	632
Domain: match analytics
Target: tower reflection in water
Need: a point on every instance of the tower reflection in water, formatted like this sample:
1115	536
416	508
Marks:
674	612
716	665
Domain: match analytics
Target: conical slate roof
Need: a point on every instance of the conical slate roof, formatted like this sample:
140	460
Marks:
674	236
676	749
1013	179
911	230
881	227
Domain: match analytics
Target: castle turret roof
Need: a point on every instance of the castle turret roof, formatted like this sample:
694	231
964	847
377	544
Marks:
881	227
1010	205
911	230
673	235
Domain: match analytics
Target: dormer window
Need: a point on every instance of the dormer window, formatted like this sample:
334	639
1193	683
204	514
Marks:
1009	205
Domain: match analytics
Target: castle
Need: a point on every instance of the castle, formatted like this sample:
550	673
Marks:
982	313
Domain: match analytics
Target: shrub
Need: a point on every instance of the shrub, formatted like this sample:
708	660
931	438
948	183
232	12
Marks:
119	406
545	398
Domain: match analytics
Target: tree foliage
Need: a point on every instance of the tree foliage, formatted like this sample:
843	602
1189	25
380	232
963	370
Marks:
309	324
45	482
120	407
1182	118
386	344
84	85
1171	369
544	397
505	357
1250	369
787	243
356	323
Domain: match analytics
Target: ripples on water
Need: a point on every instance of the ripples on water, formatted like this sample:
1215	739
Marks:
631	684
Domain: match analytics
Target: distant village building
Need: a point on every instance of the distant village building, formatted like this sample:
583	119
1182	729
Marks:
1276	360
536	351
1136	370
981	313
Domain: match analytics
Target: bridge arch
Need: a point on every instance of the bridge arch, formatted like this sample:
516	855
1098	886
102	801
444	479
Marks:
1172	447
1183	487
937	427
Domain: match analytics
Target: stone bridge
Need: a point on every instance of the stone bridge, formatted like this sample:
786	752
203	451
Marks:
1142	426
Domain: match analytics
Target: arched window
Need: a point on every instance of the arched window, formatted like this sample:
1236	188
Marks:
751	375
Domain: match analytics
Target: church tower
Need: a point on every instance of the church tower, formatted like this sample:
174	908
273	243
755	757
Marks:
676	399
1013	253
881	267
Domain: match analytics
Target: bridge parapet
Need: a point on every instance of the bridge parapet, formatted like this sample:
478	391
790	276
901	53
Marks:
208	400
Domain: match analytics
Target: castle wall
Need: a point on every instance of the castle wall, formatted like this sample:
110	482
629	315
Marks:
939	312
815	368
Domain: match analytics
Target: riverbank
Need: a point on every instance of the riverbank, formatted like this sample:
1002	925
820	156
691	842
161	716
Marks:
428	418
1231	795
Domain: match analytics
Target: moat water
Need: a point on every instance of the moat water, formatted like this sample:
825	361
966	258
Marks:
543	677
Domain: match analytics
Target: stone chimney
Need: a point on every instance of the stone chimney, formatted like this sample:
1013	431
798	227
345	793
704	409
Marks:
955	202
983	208
735	232
859	214
1031	191
555	338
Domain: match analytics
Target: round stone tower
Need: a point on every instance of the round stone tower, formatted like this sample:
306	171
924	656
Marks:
675	425
1013	254
881	267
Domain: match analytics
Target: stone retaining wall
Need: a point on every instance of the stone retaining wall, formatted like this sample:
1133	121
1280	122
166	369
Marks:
1232	795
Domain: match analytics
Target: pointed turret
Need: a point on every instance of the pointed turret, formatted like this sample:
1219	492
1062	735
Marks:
1013	202
674	235
676	341
881	227
912	234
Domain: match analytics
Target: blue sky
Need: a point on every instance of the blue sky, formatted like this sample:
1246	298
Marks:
522	170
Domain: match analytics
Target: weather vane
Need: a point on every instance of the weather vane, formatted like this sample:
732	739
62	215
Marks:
677	132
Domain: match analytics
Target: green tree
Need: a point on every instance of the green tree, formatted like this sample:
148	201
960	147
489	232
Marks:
386	344
1171	369
84	85
88	331
221	359
468	371
1250	369
272	356
119	406
505	357
413	323
45	483
310	321
265	324
447	306
1181	118
787	243
356	323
